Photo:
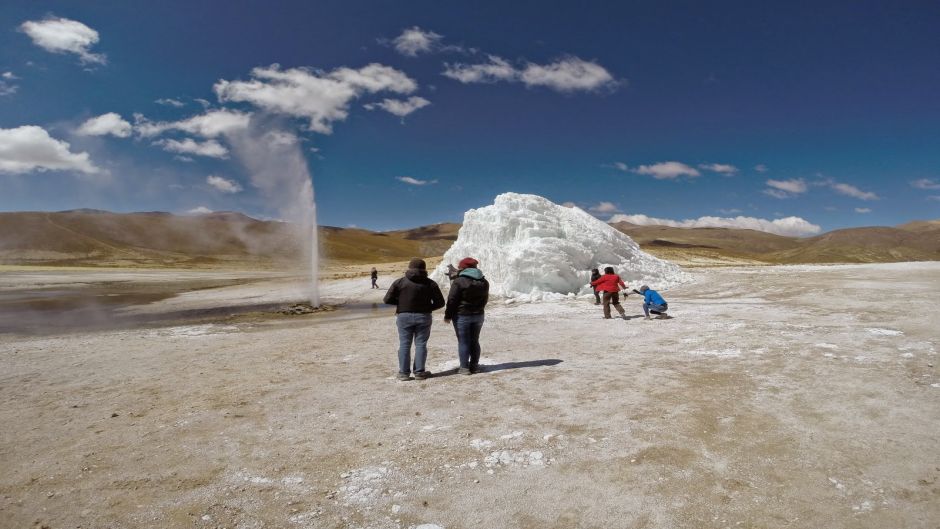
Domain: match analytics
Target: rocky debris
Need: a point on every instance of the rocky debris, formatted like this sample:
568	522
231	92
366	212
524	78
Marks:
299	309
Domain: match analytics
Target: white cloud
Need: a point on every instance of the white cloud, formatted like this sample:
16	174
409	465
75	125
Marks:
111	123
201	210
863	210
729	211
934	197
415	40
604	207
209	148
7	89
925	183
788	226
569	74
398	107
169	102
321	97
569	204
212	124
204	102
223	184
497	69
620	166
9	76
667	170
760	168
720	168
61	35
852	191
414	181
30	148
785	188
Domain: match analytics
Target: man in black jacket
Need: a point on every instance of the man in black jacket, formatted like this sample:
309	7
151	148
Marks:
415	296
468	295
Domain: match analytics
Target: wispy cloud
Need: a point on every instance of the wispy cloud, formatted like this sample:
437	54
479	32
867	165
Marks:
604	207
785	188
667	170
169	102
208	148
201	210
211	124
720	168
223	184
106	124
863	210
61	35
398	107
852	191
415	41
317	96
925	183
788	226
30	148
761	168
568	74
414	181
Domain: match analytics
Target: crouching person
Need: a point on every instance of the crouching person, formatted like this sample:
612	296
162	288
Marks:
468	295
653	302
415	297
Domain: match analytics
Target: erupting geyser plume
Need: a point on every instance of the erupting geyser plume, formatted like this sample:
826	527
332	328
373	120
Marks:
277	166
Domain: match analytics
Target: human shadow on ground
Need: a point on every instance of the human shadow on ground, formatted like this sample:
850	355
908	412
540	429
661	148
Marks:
504	366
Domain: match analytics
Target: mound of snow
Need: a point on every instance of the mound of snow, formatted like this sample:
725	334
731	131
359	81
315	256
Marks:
530	249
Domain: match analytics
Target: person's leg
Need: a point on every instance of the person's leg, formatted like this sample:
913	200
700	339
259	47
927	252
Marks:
646	309
607	305
405	336
462	323
597	297
475	328
422	333
615	301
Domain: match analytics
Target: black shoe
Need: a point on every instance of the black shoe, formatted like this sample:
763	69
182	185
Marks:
403	376
421	375
464	371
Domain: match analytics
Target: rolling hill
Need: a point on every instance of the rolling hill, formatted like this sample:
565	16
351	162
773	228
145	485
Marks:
229	239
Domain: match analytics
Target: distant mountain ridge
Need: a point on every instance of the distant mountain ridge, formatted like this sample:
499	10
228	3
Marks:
87	237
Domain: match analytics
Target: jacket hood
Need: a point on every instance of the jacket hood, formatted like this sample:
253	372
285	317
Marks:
417	275
472	273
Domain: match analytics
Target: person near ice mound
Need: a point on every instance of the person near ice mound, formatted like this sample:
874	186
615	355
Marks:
415	295
466	301
595	275
375	278
653	302
610	284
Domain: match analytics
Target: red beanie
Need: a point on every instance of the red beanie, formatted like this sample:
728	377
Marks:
467	262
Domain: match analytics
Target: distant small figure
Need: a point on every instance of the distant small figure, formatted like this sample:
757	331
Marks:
375	278
468	295
653	302
595	275
610	284
415	296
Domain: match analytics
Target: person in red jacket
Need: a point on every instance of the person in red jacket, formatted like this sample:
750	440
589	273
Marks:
610	284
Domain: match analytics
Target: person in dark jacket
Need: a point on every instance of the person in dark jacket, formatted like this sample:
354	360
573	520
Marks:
415	296
595	275
375	277
653	302
468	295
610	284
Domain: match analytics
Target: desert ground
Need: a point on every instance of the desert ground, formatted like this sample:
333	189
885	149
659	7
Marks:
795	396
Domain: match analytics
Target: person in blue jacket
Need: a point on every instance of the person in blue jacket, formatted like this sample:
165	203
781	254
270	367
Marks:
653	302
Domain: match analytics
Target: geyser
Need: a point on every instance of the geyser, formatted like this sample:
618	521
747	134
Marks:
278	169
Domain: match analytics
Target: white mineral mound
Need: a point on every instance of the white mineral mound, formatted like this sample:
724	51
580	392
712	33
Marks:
530	249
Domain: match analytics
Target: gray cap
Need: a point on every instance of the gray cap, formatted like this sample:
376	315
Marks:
644	288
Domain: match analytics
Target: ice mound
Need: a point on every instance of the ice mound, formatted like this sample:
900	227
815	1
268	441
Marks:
532	249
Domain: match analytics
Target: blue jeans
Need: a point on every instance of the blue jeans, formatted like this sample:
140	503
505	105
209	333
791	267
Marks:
468	327
412	326
647	307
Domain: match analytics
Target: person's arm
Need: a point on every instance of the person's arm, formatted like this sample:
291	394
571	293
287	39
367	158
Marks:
453	301
594	283
391	297
621	283
437	299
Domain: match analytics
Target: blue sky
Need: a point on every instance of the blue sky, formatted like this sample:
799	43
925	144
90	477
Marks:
825	112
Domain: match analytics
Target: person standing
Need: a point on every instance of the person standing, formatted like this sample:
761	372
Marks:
415	295
610	284
468	295
653	302
375	278
595	275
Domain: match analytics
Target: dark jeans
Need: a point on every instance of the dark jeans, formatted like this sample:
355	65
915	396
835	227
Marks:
413	326
612	298
657	309
374	284
597	297
468	327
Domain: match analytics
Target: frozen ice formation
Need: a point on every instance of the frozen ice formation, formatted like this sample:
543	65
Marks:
532	249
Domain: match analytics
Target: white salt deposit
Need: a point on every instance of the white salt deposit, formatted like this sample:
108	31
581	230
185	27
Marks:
531	249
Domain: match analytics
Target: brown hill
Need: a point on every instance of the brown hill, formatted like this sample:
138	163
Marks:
864	245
